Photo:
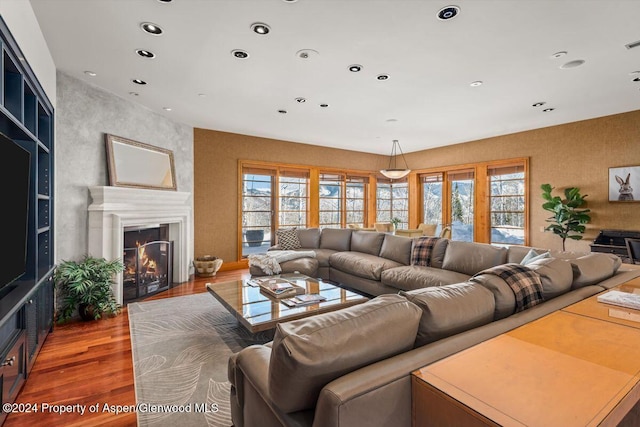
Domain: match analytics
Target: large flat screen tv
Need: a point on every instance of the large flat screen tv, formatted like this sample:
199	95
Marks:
15	164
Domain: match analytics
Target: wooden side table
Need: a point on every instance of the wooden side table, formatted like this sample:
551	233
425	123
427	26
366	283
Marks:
565	369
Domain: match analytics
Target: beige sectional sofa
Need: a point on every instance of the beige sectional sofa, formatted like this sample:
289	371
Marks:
353	367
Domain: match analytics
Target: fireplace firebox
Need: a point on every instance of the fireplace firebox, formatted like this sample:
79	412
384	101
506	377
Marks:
148	261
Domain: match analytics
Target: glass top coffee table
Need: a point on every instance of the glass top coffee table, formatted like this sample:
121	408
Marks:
257	311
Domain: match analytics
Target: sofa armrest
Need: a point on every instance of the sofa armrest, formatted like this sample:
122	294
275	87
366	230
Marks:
250	378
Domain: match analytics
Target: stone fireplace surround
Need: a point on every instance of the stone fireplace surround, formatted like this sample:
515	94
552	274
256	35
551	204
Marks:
114	208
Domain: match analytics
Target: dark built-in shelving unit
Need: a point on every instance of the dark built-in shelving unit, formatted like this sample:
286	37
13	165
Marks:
27	304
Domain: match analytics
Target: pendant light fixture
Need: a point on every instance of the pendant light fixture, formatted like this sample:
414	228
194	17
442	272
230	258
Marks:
393	171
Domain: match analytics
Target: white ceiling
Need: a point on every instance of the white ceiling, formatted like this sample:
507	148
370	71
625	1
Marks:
426	102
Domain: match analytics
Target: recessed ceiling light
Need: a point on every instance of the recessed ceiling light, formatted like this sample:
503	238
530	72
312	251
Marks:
637	79
240	54
572	64
324	105
166	108
139	82
165	1
289	1
145	53
355	68
382	77
559	54
133	93
151	28
306	53
202	95
633	73
260	28
448	12
90	73
476	83
300	100
282	111
546	110
391	120
538	104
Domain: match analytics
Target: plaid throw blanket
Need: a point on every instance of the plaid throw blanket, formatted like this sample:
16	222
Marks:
523	281
422	250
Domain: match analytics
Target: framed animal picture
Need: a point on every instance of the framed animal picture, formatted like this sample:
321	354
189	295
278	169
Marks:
624	184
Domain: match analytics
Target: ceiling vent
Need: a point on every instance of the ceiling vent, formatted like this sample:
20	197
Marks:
632	45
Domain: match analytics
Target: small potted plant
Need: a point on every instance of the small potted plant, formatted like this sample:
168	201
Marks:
86	286
395	221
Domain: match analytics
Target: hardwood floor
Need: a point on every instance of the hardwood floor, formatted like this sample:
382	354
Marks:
89	363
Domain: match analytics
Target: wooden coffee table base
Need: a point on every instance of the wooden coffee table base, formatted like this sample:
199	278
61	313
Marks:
259	312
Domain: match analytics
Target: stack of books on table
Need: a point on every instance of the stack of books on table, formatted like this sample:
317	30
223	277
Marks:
279	288
302	300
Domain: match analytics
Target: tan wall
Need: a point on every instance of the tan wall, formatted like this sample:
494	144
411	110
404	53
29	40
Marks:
215	200
573	155
577	154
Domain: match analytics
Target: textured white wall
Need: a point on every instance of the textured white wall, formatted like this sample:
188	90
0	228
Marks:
84	114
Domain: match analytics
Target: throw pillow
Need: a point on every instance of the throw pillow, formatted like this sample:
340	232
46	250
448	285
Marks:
533	256
287	239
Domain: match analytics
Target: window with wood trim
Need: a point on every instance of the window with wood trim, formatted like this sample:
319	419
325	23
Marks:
331	200
392	201
462	198
342	200
293	197
507	203
257	209
432	206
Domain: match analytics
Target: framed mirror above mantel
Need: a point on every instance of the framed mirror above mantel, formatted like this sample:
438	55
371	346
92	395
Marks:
135	164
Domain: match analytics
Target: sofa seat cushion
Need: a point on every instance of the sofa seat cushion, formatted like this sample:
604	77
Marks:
361	265
471	258
307	266
322	255
411	277
309	353
451	309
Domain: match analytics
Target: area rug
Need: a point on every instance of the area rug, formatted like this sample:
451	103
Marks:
180	351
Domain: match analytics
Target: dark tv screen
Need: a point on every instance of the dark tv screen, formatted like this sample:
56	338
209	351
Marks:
15	164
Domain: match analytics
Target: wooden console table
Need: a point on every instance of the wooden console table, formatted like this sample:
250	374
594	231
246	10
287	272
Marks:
576	367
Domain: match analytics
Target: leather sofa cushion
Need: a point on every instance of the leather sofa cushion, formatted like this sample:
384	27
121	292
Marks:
411	277
308	266
361	264
471	258
505	300
556	276
396	248
309	237
593	268
451	309
367	242
309	353
338	239
322	255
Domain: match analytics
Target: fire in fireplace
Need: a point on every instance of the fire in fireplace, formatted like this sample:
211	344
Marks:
148	261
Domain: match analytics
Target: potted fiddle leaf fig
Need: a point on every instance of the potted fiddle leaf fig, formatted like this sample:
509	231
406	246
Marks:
86	286
567	221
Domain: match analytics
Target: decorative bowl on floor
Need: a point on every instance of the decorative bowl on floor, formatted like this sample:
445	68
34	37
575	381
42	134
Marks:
207	265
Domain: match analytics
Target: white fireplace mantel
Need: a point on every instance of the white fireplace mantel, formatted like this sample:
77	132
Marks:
114	208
